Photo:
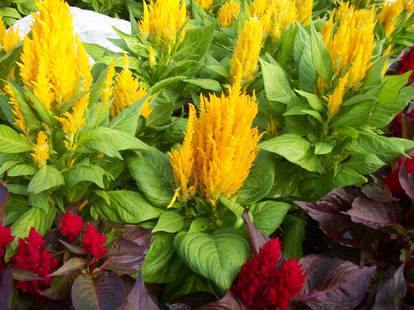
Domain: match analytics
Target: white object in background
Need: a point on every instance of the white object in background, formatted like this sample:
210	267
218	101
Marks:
91	27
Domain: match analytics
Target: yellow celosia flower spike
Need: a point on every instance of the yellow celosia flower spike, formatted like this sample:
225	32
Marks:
389	15
54	63
336	98
19	120
304	11
11	39
41	150
205	4
223	146
162	21
351	46
128	90
107	88
246	53
227	13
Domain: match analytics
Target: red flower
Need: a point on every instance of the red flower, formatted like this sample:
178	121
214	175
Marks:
71	226
5	239
407	63
32	255
93	242
392	180
267	280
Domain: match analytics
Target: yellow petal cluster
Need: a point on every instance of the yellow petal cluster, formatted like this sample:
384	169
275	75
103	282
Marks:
219	146
389	15
336	98
278	15
227	13
352	44
41	149
19	120
246	53
107	88
205	4
10	39
162	21
128	90
54	64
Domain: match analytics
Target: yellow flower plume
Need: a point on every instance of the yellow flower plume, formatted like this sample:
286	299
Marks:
389	15
219	147
10	39
19	120
54	64
162	21
128	90
227	13
246	53
351	46
41	149
304	11
107	88
336	98
205	4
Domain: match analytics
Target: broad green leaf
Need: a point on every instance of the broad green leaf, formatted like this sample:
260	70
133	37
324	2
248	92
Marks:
323	148
260	179
11	142
218	256
197	41
293	236
170	222
46	177
276	84
162	264
320	55
313	100
307	72
199	224
268	215
286	180
302	42
127	120
205	84
130	207
88	173
347	177
40	200
295	149
393	85
153	174
384	147
235	208
364	163
133	43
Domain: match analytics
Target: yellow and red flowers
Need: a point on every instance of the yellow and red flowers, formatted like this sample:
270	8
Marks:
267	280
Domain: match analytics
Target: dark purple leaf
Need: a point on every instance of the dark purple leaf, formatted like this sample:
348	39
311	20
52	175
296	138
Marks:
257	238
138	298
375	214
140	235
337	225
61	287
4	196
72	248
229	302
104	291
333	284
6	286
71	265
24	275
391	290
406	180
190	301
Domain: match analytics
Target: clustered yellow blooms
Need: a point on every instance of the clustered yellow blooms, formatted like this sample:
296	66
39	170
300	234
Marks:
205	4
389	15
335	99
219	146
162	21
41	149
350	47
128	90
9	38
107	88
278	15
227	13
246	53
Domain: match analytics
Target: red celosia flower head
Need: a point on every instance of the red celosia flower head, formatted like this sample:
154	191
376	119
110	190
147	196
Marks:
71	226
407	63
93	242
32	255
5	239
267	280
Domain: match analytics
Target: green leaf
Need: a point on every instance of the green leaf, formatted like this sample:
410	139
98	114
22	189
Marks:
218	256
260	179
86	172
40	200
11	142
235	208
295	149
170	222
41	110
364	163
307	72
127	120
133	43
313	100
393	85
276	84
293	236
162	264
197	41
199	224
268	215
385	148
320	55
153	174
21	169
8	61
129	207
205	84
323	148
46	177
347	177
